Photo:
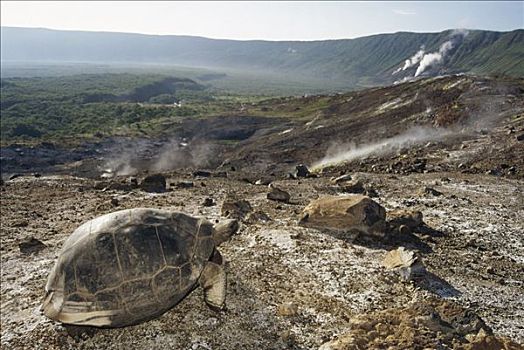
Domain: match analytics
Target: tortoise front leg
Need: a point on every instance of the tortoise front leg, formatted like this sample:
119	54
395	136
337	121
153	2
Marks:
213	281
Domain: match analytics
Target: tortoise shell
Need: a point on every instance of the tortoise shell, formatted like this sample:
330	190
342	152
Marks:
128	266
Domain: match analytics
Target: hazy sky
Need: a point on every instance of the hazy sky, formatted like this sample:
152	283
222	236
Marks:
264	20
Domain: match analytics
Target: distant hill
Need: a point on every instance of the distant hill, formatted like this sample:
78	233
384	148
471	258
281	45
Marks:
363	61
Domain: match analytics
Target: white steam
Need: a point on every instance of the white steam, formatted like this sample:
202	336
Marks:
130	158
432	59
413	60
347	152
178	155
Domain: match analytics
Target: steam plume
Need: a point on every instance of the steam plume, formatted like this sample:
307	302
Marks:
436	58
347	152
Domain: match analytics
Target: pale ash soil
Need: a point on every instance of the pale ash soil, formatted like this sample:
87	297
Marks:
475	256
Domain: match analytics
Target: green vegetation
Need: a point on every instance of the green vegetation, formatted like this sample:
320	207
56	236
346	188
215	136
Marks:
89	105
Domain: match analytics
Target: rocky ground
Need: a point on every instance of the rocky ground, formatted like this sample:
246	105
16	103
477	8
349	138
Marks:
291	287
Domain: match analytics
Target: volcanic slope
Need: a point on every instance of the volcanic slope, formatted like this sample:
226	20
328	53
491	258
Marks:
463	123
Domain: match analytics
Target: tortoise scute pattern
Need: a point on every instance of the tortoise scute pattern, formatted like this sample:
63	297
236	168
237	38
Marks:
129	266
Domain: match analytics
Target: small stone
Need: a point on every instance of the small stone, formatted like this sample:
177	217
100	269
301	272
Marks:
404	230
257	216
276	194
287	309
340	179
405	262
114	202
31	246
154	183
201	173
208	202
184	184
302	171
133	182
20	223
235	208
431	191
263	182
353	186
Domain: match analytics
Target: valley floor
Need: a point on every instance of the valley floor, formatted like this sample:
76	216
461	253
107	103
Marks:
474	252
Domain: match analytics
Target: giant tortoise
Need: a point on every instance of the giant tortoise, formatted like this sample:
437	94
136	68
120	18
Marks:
132	265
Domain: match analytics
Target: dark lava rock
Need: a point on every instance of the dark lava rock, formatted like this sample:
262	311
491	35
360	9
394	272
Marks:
201	173
20	223
371	192
133	182
184	184
258	216
14	176
31	246
154	183
208	202
431	191
404	221
235	208
302	171
353	186
276	194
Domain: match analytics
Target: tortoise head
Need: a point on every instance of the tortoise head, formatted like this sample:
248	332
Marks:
224	230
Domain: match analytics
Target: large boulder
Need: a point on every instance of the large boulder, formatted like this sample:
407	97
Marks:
347	213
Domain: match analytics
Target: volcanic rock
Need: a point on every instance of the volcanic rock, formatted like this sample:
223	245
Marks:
353	186
302	171
431	191
340	179
31	246
201	173
287	309
208	202
404	221
348	213
405	262
235	208
20	223
263	182
184	184
257	216
277	194
132	181
154	183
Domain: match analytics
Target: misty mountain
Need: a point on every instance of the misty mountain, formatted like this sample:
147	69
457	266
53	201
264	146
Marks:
363	61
